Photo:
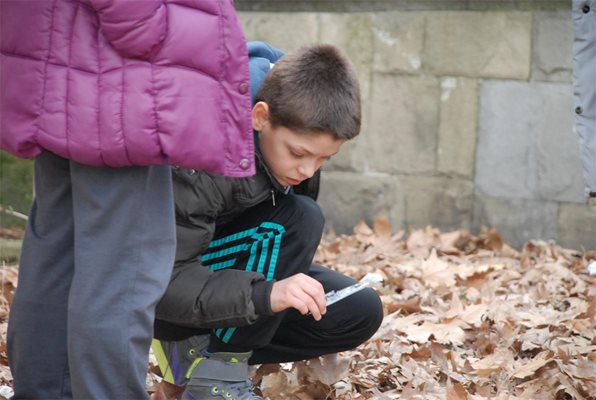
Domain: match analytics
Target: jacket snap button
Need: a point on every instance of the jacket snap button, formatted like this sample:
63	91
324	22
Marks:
243	88
578	110
244	163
586	9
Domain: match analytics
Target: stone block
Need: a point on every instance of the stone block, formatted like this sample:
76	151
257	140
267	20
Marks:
398	42
517	220
352	155
286	31
352	33
577	226
442	202
552	47
347	198
526	146
457	127
479	44
404	123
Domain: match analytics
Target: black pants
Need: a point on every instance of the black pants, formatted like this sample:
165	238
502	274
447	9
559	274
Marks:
291	232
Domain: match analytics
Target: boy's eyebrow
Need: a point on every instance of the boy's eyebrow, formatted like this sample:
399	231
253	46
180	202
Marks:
310	153
304	149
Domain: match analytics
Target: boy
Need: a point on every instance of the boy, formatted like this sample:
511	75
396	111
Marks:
245	246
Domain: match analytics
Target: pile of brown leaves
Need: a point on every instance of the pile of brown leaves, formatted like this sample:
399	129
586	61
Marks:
467	317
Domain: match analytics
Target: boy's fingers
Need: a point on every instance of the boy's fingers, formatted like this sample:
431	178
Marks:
317	294
314	309
314	306
306	295
307	305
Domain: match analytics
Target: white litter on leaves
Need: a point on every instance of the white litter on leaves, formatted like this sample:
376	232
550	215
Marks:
6	392
592	268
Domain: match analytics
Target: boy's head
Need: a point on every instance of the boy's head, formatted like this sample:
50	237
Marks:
307	106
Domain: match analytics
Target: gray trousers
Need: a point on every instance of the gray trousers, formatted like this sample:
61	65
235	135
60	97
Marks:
97	256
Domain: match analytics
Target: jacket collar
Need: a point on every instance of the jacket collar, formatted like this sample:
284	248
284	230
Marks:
263	166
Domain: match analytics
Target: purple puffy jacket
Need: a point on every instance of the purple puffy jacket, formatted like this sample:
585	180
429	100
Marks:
126	82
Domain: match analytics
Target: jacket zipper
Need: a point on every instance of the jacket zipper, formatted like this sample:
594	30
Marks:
273	196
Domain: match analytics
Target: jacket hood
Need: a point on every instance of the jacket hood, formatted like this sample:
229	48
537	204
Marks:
261	58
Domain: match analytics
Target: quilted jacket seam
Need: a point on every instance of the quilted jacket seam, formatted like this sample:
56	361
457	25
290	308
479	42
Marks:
67	96
157	131
47	62
99	97
41	110
122	115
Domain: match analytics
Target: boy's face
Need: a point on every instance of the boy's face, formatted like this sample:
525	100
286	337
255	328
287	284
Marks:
292	156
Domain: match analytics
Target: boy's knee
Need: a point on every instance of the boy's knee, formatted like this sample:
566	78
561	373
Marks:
374	316
367	311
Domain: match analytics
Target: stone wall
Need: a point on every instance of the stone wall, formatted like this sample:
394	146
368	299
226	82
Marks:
467	114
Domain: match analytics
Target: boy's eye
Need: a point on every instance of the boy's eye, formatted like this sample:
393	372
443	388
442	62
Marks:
295	154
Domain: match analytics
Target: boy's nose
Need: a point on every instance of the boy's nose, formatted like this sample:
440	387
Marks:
307	170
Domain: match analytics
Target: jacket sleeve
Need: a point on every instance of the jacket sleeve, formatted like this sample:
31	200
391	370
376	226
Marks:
196	296
199	200
135	28
199	298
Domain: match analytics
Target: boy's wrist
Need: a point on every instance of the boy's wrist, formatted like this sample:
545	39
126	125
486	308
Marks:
261	297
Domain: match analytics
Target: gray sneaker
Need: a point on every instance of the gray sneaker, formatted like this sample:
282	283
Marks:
176	358
221	376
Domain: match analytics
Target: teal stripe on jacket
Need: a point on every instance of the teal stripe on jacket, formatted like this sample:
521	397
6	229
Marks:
258	247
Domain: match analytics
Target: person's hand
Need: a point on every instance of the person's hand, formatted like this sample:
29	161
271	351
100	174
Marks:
301	292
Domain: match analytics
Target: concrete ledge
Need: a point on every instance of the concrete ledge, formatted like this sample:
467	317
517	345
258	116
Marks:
517	220
404	5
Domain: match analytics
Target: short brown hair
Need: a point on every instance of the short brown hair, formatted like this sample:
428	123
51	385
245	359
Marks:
314	89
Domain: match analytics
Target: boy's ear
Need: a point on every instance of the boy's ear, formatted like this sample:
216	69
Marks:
260	116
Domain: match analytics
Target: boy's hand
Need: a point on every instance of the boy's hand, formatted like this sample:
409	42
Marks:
301	292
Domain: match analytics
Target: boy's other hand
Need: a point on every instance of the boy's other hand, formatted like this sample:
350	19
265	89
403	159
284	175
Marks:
301	292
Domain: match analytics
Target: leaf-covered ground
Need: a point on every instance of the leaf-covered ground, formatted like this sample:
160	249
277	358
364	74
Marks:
467	317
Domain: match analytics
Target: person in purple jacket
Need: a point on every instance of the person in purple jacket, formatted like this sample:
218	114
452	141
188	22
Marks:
105	95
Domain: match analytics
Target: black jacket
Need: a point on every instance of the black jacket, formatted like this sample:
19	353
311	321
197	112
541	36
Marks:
196	296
